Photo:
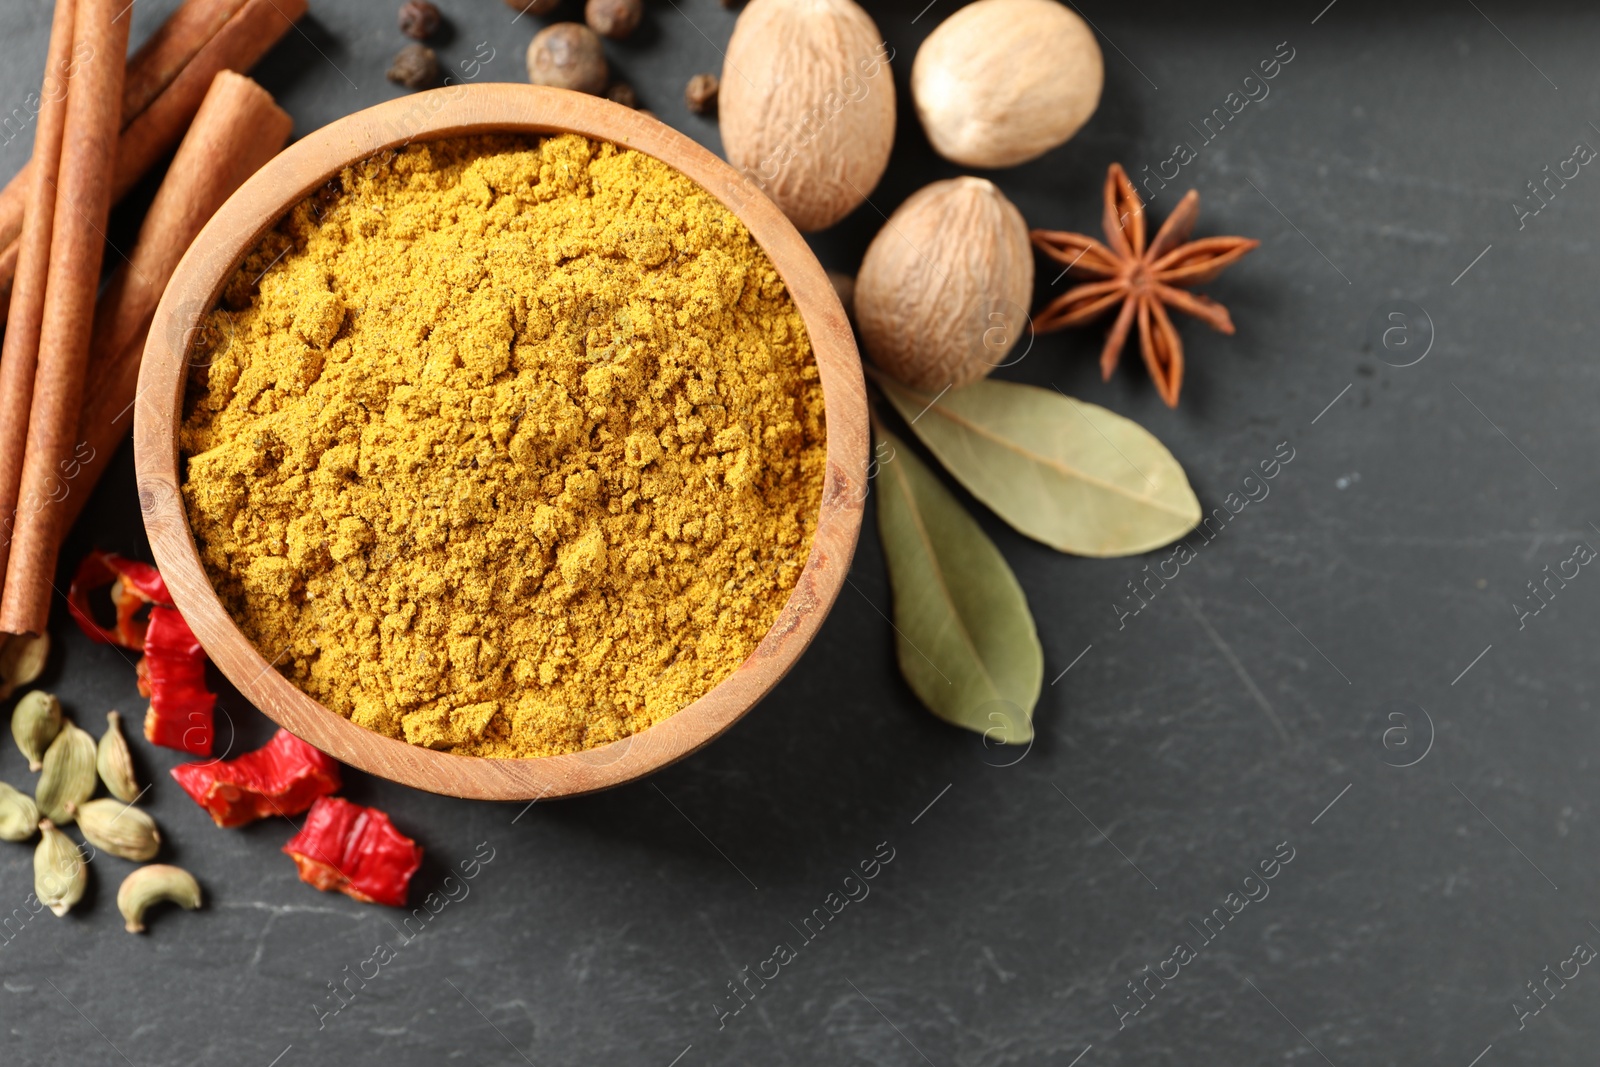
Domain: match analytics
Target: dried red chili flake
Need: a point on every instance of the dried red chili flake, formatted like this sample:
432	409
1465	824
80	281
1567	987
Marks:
173	671
355	850
133	585
283	777
173	675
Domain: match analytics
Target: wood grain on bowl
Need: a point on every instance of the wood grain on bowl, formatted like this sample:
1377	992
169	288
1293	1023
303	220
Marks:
453	112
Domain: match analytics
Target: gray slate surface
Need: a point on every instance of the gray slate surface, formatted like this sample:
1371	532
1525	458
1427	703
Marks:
1246	706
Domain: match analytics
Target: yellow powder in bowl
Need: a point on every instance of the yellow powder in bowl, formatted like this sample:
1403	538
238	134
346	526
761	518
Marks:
504	446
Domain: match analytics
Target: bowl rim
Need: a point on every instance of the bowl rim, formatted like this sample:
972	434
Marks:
464	110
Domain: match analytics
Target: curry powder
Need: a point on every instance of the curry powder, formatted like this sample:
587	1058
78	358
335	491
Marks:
503	446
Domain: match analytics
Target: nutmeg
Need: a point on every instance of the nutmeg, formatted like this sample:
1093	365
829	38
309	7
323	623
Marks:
943	292
1003	81
807	105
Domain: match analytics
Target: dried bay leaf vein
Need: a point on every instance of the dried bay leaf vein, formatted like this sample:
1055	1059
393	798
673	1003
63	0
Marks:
977	429
1078	408
1066	491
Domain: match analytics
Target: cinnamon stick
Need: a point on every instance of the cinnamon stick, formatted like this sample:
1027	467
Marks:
82	202
150	70
246	38
237	129
19	355
252	28
167	51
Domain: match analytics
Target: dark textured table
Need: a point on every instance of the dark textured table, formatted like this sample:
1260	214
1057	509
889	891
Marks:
1339	687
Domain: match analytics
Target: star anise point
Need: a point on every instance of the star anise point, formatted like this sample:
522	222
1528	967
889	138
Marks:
1145	279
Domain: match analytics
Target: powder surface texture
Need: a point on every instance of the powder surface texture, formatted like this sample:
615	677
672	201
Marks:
507	447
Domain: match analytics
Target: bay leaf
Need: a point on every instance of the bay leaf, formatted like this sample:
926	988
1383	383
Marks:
1079	478
964	637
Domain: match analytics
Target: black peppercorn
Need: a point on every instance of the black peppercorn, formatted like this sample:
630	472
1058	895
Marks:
419	19
568	55
613	18
701	94
622	93
416	66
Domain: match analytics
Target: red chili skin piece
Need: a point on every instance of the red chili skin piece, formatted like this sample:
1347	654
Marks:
134	585
355	850
282	777
173	675
173	671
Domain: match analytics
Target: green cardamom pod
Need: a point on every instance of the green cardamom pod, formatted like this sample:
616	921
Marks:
116	762
19	816
152	885
69	776
118	828
35	722
22	659
59	872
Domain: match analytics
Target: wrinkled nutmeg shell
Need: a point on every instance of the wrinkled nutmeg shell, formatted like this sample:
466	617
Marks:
1001	82
807	106
942	295
568	55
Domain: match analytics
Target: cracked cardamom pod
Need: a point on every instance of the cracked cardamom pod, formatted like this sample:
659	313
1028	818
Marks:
116	762
19	816
118	828
59	873
35	722
154	884
69	774
22	659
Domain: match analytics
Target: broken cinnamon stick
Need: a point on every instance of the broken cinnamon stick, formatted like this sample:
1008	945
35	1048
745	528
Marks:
159	81
19	356
82	202
237	129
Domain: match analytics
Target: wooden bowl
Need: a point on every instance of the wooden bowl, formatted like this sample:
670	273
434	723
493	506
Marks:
451	112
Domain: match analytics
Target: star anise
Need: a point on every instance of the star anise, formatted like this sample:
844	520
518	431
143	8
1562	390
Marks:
1144	280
